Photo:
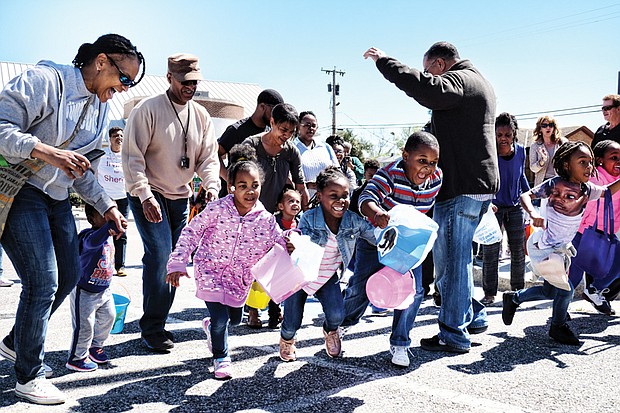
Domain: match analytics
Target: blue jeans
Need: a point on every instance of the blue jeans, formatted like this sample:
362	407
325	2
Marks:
222	315
512	219
120	244
561	299
356	300
159	240
330	297
40	238
457	219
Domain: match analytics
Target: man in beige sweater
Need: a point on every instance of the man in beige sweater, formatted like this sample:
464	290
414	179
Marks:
168	137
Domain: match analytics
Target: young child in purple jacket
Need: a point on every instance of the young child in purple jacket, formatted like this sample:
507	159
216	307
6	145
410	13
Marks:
229	236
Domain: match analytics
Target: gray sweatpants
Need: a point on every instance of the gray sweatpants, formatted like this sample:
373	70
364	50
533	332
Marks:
92	316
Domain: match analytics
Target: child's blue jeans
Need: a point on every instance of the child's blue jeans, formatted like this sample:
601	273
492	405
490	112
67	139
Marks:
330	297
221	316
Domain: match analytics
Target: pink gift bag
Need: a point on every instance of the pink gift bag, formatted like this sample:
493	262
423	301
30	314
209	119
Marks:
278	275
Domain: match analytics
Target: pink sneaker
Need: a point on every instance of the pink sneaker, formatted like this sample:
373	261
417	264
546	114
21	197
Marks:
222	368
206	326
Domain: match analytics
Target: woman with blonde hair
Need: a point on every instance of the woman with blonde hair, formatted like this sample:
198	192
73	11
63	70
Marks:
547	141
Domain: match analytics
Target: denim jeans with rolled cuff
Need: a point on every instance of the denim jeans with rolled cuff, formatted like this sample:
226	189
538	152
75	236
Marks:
330	297
221	316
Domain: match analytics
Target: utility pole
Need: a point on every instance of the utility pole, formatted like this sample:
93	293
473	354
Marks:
335	91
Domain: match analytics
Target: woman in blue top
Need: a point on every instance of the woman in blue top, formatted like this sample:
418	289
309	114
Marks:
507	208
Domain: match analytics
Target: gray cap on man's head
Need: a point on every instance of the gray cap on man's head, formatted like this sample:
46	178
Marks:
184	66
270	97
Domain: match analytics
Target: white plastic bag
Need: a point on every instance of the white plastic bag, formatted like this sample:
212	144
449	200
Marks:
407	240
488	231
307	255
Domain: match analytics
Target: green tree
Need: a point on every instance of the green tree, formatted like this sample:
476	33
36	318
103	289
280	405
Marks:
359	146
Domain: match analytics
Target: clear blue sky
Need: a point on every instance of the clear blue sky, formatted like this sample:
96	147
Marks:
539	55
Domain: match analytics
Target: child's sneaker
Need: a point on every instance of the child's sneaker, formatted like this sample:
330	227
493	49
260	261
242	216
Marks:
597	299
287	350
222	368
206	326
400	356
332	343
40	391
81	365
98	355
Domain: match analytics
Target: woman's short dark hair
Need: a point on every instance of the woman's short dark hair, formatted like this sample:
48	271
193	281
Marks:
506	119
285	113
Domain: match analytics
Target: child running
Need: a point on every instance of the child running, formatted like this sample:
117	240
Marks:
550	249
333	226
600	291
230	235
414	180
92	304
287	217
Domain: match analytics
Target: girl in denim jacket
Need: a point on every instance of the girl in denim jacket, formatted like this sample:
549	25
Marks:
230	235
333	226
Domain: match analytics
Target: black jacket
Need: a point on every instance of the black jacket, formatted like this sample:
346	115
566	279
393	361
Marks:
604	133
463	120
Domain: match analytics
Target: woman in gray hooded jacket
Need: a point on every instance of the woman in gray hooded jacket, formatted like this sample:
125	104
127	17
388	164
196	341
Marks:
55	114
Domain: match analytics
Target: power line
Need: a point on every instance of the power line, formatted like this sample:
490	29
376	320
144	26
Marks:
521	116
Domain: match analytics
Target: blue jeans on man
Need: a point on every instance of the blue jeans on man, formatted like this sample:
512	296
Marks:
330	297
356	300
458	219
159	240
40	238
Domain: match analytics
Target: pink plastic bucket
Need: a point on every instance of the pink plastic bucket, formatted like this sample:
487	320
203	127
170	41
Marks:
388	288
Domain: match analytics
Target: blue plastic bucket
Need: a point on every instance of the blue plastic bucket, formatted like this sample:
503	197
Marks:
121	303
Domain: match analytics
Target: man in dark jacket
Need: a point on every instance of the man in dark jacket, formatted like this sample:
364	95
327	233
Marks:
463	114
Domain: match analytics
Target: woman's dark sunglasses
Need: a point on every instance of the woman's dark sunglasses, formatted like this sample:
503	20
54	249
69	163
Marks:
122	77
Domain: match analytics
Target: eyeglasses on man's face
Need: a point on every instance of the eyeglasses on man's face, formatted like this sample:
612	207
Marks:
607	108
429	66
189	83
310	125
547	125
122	77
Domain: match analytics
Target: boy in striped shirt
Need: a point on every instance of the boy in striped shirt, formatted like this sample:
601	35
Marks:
414	180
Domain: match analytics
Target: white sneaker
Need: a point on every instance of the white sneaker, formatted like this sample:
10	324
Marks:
10	355
39	391
400	355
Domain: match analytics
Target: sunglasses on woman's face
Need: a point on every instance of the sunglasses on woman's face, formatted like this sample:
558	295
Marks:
547	125
122	77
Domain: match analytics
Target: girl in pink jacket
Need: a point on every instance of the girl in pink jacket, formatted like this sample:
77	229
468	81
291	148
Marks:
229	236
600	291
